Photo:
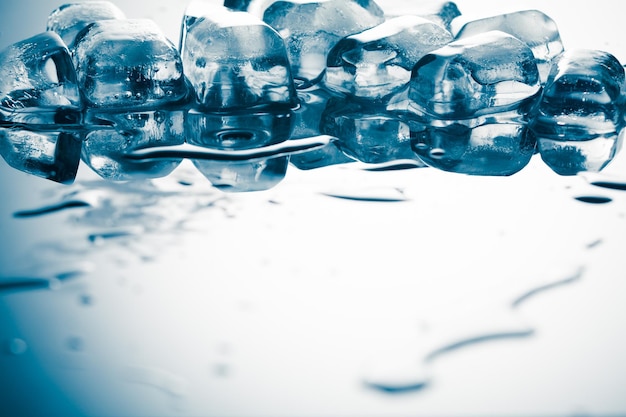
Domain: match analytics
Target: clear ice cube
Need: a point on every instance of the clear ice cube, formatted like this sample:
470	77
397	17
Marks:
307	123
69	19
113	134
47	154
246	130
311	29
38	83
128	64
232	176
40	108
487	145
532	27
442	12
378	61
580	115
485	73
235	61
367	133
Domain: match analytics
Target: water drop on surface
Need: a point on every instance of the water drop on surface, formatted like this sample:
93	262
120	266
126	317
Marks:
593	199
16	347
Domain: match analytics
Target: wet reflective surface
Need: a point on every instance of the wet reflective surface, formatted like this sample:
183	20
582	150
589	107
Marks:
347	289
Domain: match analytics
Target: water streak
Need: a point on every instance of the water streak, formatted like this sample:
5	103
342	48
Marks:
533	292
52	208
396	165
375	195
516	334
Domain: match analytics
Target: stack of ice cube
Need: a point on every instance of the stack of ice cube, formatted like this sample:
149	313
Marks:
422	82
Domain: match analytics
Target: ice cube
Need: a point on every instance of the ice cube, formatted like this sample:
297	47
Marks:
47	154
38	83
442	12
70	18
485	73
40	108
311	29
580	115
307	123
532	27
378	61
246	130
235	61
467	104
486	145
366	133
244	176
113	134
128	63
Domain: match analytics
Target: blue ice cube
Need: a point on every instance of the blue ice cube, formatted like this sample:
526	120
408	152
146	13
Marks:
236	177
442	12
235	61
365	132
533	27
467	102
486	73
40	108
113	134
312	28
377	62
307	123
70	18
128	63
38	83
580	115
132	79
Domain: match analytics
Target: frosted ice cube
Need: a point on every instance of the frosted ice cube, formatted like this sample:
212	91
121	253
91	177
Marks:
532	27
580	115
480	74
378	61
70	18
114	134
235	61
38	83
128	63
311	29
442	12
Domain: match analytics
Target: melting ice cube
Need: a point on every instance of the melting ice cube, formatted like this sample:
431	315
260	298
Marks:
40	108
70	18
235	61
378	61
533	27
311	29
128	63
442	12
580	114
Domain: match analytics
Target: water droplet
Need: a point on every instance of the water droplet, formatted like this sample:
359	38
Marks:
86	299
610	184
593	199
16	347
75	343
53	208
